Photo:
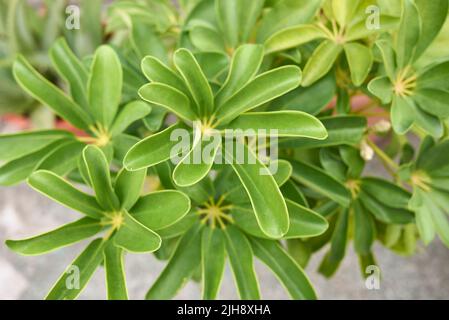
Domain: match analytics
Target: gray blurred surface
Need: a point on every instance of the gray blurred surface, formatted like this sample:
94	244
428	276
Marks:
24	213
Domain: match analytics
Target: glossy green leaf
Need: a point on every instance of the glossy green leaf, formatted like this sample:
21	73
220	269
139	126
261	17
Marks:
14	146
130	113
154	149
402	116
64	193
344	10
48	94
266	198
63	236
433	16
321	62
115	273
433	101
382	88
198	162
195	80
321	182
180	267
291	275
434	77
388	56
84	266
133	236
364	229
156	71
285	123
244	66
128	186
72	70
169	98
99	175
206	39
213	257
387	192
226	11
424	221
242	263
105	85
408	34
262	89
63	159
384	213
161	209
293	36
360	60
249	12
282	171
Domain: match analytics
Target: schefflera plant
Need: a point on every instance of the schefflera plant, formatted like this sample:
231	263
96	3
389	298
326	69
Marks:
187	93
222	226
358	207
428	174
127	221
92	106
342	27
418	95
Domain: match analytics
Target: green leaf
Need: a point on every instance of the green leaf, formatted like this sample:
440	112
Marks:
17	170
364	229
169	98
304	222
408	34
179	228
64	193
266	198
128	186
180	267
332	260
387	192
72	70
48	94
130	113
437	164
64	236
152	150
249	12
195	80
283	171
115	273
84	266
434	77
242	263
262	89
284	14
161	209
388	56
433	16
213	257
360	60
321	62
424	221
290	274
320	181
384	213
293	37
433	101
284	123
344	10
99	175
198	162
17	145
156	71
228	20
206	39
245	63
64	158
133	236
402	115
105	85
382	88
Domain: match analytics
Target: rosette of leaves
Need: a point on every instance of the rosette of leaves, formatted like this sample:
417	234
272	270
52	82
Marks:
429	177
341	28
222	226
31	29
92	106
417	95
127	222
187	93
223	25
358	207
